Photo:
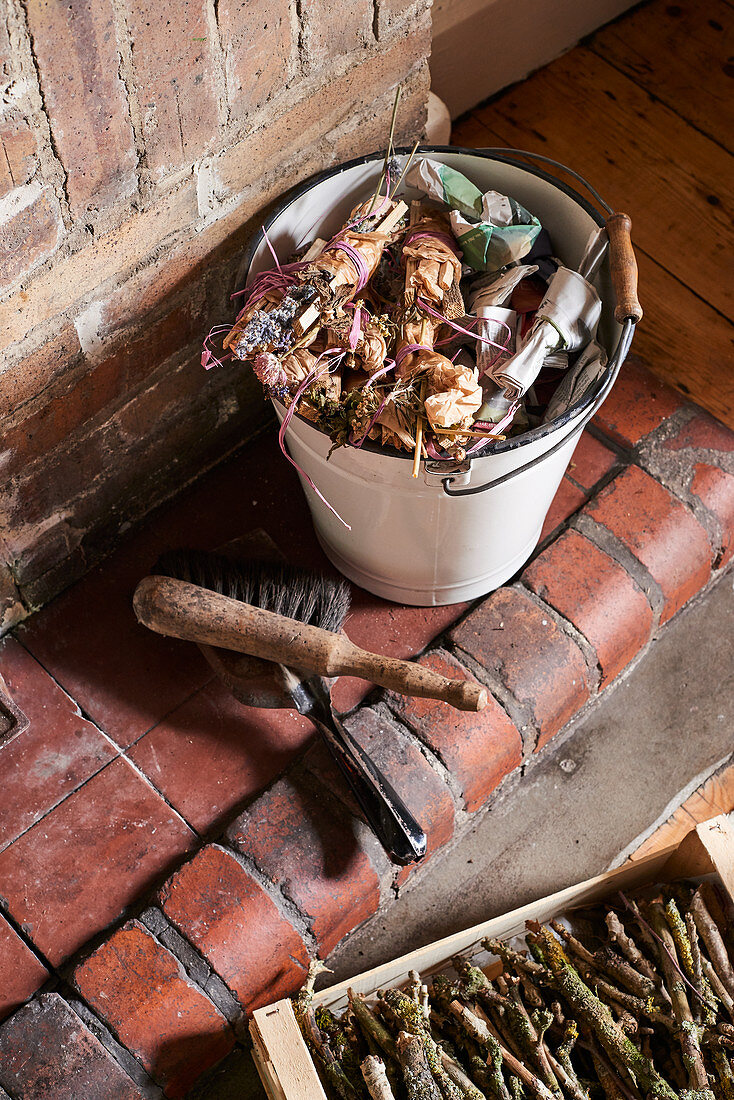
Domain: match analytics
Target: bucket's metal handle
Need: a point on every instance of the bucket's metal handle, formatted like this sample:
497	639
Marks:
619	231
618	357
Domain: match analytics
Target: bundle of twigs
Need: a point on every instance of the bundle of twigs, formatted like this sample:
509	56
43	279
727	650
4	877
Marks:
627	1002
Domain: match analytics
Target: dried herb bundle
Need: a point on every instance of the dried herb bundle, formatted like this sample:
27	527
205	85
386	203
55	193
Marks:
631	1001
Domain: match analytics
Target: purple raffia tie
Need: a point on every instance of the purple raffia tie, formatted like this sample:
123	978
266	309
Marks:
363	272
495	429
208	358
407	350
389	364
458	328
356	330
358	442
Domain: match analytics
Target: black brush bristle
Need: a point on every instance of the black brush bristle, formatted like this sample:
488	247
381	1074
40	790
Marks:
285	589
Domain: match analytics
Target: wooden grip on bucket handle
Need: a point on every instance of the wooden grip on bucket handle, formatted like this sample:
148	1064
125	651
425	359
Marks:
624	268
182	610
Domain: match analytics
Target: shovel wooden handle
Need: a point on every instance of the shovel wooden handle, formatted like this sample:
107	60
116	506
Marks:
182	610
624	268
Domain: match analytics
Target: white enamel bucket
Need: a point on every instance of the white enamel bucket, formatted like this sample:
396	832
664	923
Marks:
457	532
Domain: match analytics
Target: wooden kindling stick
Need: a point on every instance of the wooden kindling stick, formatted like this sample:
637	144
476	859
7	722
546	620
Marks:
182	610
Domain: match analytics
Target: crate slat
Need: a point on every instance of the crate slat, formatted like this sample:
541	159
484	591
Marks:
281	1056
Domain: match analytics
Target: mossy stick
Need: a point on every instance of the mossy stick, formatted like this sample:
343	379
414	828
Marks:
419	1082
595	1015
626	944
709	932
482	1033
689	1033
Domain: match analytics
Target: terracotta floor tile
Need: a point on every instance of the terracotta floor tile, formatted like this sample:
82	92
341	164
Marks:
22	972
58	752
590	462
48	1053
126	678
77	869
211	753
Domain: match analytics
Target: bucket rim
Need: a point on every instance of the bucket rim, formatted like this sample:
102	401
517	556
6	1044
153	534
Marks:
294	193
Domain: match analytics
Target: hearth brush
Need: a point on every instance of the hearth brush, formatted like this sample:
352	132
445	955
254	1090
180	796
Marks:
306	601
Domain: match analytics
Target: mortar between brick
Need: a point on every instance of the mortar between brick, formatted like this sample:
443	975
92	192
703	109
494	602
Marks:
434	759
615	548
22	51
383	711
197	967
518	712
124	1058
125	73
566	626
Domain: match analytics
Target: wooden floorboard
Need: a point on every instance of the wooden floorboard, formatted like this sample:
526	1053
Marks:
699	39
640	156
646	157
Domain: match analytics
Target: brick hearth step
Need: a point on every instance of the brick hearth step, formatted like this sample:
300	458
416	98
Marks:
645	523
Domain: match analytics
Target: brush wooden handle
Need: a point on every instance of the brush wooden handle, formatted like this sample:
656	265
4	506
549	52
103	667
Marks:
182	610
624	268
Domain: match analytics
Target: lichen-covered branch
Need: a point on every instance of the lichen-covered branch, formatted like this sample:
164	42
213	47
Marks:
595	1014
689	1032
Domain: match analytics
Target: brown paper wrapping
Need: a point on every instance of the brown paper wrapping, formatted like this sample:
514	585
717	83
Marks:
434	268
454	396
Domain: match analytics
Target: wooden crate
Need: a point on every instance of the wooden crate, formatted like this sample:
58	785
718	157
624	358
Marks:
281	1056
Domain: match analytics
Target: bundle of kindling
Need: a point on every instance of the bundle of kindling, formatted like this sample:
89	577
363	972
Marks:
631	999
436	321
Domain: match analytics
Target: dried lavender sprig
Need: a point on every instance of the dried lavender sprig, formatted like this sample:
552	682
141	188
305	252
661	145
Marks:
388	150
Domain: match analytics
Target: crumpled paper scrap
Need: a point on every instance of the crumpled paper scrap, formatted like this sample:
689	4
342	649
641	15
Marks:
492	230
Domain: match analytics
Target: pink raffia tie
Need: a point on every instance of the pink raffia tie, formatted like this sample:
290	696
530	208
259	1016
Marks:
208	358
409	349
358	442
495	429
356	330
389	364
465	331
502	348
358	262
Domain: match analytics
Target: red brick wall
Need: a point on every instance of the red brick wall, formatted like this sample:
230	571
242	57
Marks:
140	142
